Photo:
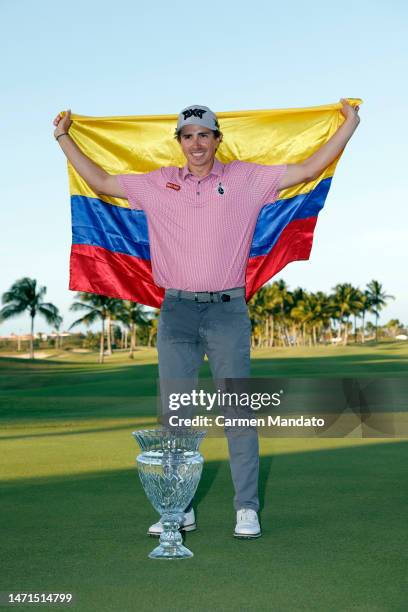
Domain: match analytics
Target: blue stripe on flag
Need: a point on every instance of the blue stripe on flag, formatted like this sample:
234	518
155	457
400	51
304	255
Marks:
273	218
123	230
117	229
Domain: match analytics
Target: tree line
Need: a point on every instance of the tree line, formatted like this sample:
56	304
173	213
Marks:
287	318
279	317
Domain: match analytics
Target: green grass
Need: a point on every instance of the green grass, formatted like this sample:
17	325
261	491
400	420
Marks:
74	514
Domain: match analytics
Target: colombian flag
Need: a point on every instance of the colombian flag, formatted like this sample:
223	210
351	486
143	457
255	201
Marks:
110	252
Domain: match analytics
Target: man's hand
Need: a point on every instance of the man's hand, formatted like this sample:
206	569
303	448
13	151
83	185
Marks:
62	123
100	181
312	167
349	112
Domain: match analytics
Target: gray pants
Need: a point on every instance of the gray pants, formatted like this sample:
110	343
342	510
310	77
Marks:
222	330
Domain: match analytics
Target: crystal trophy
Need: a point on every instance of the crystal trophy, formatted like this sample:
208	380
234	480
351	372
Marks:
170	467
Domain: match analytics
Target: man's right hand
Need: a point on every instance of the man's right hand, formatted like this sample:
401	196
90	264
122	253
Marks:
62	123
100	181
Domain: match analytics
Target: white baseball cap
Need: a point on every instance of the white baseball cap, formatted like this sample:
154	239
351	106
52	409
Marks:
197	114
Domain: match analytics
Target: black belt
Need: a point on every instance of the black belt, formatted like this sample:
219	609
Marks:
208	296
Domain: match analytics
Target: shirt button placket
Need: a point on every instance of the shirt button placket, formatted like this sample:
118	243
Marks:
198	188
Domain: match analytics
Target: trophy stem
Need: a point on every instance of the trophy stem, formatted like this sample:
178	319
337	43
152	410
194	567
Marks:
171	543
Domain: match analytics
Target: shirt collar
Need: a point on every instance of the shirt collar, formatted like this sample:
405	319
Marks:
217	170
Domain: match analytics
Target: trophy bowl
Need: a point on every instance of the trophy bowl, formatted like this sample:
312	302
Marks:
170	467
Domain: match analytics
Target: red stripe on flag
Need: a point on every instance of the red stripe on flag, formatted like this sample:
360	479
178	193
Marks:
294	244
97	270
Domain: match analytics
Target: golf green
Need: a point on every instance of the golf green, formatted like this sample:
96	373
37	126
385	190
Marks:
74	515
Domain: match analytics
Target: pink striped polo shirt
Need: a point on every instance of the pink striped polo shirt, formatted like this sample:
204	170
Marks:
200	229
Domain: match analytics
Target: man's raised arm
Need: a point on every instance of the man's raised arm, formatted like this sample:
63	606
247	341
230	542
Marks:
100	181
314	165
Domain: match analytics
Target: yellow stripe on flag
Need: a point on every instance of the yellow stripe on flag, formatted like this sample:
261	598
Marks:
123	145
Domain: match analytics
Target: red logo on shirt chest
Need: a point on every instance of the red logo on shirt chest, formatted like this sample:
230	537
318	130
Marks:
173	186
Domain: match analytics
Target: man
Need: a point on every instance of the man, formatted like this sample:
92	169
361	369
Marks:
201	219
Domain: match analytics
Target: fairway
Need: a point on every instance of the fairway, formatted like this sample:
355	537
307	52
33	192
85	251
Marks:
74	515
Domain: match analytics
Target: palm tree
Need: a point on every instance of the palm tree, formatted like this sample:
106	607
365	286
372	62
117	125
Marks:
114	308
153	327
256	310
324	312
97	307
356	306
58	338
346	301
284	320
296	317
24	295
378	299
302	313
132	314
365	307
275	296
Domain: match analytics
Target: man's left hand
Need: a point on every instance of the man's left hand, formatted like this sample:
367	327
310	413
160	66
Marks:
350	112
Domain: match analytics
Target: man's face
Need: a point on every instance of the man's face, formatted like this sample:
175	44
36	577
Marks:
198	145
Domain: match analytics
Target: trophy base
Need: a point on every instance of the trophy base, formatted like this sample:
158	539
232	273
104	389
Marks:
178	551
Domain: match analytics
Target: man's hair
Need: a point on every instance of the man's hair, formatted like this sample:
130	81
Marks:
216	133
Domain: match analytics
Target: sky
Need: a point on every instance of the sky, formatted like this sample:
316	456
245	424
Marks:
127	58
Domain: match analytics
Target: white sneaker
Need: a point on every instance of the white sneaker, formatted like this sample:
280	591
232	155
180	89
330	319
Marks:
188	524
247	524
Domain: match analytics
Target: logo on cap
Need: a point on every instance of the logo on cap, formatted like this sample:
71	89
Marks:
194	112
